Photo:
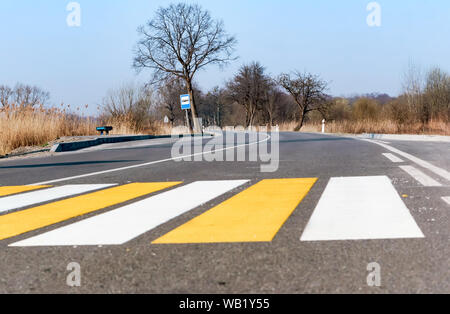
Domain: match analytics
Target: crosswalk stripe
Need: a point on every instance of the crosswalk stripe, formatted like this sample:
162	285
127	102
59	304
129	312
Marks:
38	217
360	208
254	215
421	177
10	190
126	223
36	197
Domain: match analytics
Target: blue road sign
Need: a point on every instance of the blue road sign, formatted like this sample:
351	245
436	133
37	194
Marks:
185	102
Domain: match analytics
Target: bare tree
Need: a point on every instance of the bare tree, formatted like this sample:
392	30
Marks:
248	89
169	99
214	107
273	97
178	42
5	95
26	95
365	109
131	104
413	90
437	94
23	95
286	109
308	92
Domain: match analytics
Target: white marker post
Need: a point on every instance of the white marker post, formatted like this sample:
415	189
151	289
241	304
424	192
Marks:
323	126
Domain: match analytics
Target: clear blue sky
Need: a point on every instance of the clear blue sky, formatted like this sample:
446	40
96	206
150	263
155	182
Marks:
327	37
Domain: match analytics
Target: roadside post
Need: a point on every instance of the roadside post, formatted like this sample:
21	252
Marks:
186	105
323	126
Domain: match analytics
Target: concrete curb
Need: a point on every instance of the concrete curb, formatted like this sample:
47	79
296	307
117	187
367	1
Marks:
74	146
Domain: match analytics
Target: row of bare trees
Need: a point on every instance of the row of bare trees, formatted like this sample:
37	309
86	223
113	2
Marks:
251	97
23	95
182	39
257	92
423	107
426	95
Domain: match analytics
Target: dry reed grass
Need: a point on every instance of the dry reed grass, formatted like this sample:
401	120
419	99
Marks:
25	126
378	127
125	125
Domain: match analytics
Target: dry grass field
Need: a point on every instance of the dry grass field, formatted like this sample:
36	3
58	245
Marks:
377	127
26	126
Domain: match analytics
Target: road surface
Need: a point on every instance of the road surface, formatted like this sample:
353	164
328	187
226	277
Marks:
137	221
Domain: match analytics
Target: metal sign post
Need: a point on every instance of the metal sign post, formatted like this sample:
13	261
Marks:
188	124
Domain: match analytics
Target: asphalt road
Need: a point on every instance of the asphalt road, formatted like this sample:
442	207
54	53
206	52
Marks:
336	264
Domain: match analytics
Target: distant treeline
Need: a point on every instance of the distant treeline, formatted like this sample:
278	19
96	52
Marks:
254	98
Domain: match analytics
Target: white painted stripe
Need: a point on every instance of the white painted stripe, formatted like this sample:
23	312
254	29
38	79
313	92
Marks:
126	223
382	142
360	208
151	163
447	199
42	196
425	164
393	158
421	177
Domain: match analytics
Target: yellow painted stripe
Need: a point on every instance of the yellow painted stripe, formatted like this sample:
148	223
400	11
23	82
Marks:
9	190
38	217
254	215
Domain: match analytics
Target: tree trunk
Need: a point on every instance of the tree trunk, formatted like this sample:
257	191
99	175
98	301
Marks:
300	123
248	115
197	128
252	118
247	119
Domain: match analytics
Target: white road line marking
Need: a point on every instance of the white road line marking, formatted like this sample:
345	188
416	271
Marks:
360	208
126	223
42	196
149	163
447	199
425	164
421	177
382	142
393	158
